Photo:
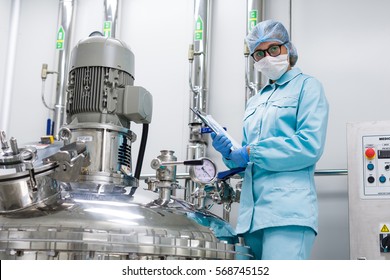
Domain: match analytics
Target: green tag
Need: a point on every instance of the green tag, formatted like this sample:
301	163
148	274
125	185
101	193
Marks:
199	29
107	28
252	19
60	39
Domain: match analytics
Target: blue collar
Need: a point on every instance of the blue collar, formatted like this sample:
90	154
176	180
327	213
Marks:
285	78
288	76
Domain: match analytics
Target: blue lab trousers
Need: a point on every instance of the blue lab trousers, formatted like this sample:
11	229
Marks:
281	243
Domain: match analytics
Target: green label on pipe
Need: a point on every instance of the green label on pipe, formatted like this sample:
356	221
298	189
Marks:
107	28
60	38
252	19
199	29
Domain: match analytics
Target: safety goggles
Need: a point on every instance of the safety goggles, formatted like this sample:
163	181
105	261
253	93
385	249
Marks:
273	50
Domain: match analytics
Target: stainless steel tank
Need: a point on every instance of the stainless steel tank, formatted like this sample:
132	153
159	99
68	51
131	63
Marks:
48	212
79	201
116	226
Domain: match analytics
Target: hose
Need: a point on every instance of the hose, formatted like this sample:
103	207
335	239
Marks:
141	153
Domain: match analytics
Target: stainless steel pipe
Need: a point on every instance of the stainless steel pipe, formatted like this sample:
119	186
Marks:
111	18
255	14
198	82
66	15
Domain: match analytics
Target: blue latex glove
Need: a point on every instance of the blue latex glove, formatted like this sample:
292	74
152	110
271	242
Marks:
221	143
240	157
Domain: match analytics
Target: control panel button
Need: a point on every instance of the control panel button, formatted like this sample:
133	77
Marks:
370	166
370	153
371	179
382	179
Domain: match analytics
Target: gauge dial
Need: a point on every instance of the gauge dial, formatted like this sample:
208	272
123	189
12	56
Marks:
205	173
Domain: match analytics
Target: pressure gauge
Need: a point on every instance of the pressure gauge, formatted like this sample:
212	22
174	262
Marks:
205	173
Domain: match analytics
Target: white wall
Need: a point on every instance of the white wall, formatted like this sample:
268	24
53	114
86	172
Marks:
342	43
5	13
159	35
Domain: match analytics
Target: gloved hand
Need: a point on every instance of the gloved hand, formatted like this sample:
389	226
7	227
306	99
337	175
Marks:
240	156
221	143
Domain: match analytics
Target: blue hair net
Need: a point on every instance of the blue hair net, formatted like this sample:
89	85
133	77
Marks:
271	31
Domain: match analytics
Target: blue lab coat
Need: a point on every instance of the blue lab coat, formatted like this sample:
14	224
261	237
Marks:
285	127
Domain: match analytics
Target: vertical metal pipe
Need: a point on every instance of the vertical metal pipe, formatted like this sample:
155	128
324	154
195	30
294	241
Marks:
66	15
9	72
200	69
255	14
199	79
111	15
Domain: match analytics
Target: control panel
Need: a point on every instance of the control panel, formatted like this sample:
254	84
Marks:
368	146
376	166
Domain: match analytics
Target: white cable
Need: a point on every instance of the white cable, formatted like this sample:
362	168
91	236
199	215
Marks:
43	96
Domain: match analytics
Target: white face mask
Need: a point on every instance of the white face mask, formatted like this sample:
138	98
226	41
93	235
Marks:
273	67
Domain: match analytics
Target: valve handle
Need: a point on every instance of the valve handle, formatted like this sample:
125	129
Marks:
157	163
229	173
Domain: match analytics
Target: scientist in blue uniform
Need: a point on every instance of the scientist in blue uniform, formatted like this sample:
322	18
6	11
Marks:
284	131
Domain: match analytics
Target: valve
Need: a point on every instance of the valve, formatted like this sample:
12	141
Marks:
157	163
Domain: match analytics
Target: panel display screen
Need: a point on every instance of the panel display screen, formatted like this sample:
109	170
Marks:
383	153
